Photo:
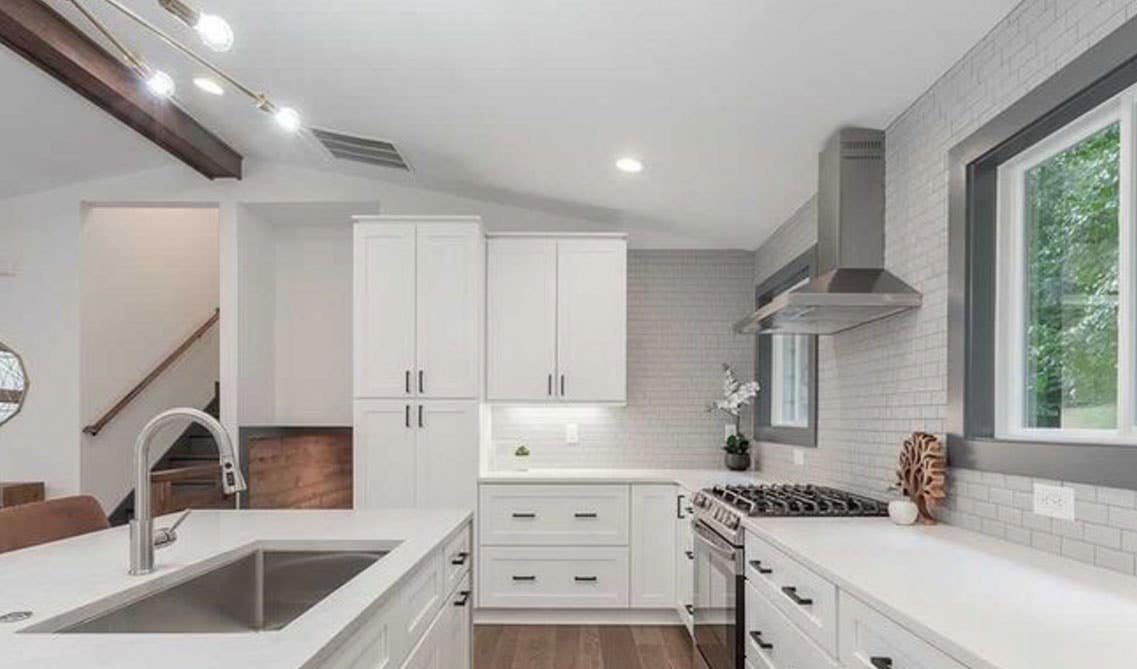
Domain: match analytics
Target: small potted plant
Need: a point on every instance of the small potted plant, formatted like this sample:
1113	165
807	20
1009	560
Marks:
735	396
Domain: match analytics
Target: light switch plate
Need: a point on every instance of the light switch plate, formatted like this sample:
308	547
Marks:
799	457
1054	501
572	433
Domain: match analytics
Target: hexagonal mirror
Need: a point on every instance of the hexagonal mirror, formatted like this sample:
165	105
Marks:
13	383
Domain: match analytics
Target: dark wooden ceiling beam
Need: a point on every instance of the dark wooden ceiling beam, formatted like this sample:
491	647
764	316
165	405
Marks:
41	35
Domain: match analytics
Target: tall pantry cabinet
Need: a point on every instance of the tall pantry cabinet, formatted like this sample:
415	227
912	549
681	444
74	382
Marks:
418	304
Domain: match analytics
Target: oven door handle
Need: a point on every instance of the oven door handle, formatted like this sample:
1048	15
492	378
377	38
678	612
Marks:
714	543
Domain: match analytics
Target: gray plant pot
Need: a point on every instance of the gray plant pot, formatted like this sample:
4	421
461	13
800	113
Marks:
737	462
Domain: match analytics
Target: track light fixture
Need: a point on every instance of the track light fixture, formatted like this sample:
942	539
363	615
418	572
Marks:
213	30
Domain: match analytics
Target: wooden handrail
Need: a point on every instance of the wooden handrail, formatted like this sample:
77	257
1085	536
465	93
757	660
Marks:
97	426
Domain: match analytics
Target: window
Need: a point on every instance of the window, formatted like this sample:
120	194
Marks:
1063	327
786	369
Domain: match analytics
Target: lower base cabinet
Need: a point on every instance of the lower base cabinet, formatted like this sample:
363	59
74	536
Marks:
446	643
869	640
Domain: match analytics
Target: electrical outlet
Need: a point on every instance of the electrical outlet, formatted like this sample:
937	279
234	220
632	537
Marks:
799	457
572	434
1054	501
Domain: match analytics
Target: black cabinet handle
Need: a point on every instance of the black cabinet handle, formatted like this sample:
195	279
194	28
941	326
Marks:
881	662
757	564
679	506
584	515
550	385
525	578
757	636
562	385
460	558
420	380
407	382
584	579
464	599
791	592
420	415
407	415
524	515
690	554
690	609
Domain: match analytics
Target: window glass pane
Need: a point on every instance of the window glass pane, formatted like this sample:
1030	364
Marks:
789	394
1071	225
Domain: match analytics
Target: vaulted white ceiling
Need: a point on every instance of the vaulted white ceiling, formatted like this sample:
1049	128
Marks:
529	103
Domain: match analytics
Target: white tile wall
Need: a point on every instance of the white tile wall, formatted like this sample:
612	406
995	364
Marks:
681	305
881	381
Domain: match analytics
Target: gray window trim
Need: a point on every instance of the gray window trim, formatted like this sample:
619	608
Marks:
1101	72
797	269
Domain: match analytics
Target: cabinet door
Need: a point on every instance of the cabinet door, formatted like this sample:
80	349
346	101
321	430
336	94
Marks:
653	546
592	320
447	454
384	309
521	322
459	650
448	313
684	563
383	451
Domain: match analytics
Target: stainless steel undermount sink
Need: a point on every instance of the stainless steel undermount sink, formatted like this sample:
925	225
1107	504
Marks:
261	591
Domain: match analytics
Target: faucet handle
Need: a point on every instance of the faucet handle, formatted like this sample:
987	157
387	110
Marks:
165	536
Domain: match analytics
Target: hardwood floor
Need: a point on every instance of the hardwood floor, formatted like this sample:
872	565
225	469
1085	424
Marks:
582	647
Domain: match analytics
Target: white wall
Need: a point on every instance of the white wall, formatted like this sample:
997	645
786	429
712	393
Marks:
257	308
41	233
149	277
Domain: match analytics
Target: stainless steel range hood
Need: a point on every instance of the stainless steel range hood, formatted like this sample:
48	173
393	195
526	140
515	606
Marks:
851	287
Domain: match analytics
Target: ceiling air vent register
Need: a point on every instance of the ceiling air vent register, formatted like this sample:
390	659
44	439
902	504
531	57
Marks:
361	149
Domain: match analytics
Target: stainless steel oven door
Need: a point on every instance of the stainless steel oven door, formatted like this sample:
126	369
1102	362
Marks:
718	599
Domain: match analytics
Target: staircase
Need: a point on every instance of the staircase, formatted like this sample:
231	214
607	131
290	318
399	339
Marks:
187	476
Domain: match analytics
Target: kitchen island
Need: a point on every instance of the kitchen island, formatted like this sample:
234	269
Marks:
409	606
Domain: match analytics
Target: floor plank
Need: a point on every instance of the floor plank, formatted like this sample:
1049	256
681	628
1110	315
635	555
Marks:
582	647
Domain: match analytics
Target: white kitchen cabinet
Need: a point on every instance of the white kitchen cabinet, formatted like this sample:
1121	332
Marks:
773	642
446	642
654	510
553	577
415	453
869	640
556	319
684	562
592	319
553	515
417	307
521	321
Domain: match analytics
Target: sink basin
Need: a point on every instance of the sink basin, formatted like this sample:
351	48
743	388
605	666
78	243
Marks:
261	591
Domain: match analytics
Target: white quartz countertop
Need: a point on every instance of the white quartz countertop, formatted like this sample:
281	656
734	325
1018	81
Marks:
991	604
77	573
689	479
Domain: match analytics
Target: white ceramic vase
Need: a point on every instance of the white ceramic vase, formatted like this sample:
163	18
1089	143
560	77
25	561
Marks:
902	511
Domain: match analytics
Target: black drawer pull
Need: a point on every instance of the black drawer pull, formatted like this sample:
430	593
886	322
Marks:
690	554
881	662
757	637
464	599
585	579
460	558
690	609
407	382
791	592
524	515
525	578
584	515
757	564
420	381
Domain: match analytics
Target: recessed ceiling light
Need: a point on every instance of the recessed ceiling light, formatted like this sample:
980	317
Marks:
208	85
630	165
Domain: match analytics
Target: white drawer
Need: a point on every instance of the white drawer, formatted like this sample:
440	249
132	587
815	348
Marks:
807	599
422	596
562	515
866	635
773	642
588	577
456	557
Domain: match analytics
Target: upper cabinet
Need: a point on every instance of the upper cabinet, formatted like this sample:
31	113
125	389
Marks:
556	319
418	283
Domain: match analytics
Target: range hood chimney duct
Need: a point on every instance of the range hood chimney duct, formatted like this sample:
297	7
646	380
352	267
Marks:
851	286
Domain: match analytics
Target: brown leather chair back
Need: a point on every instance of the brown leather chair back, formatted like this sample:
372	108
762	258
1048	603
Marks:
40	522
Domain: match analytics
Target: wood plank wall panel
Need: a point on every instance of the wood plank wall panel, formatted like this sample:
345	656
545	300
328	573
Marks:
310	471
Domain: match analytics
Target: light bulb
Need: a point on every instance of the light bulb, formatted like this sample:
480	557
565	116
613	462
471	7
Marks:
208	85
214	31
160	84
629	165
288	118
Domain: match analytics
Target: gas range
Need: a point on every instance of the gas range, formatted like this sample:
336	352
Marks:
722	507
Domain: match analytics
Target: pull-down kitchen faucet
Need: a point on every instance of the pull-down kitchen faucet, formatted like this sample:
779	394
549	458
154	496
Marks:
142	527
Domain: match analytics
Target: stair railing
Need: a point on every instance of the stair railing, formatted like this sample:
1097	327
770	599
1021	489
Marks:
97	426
